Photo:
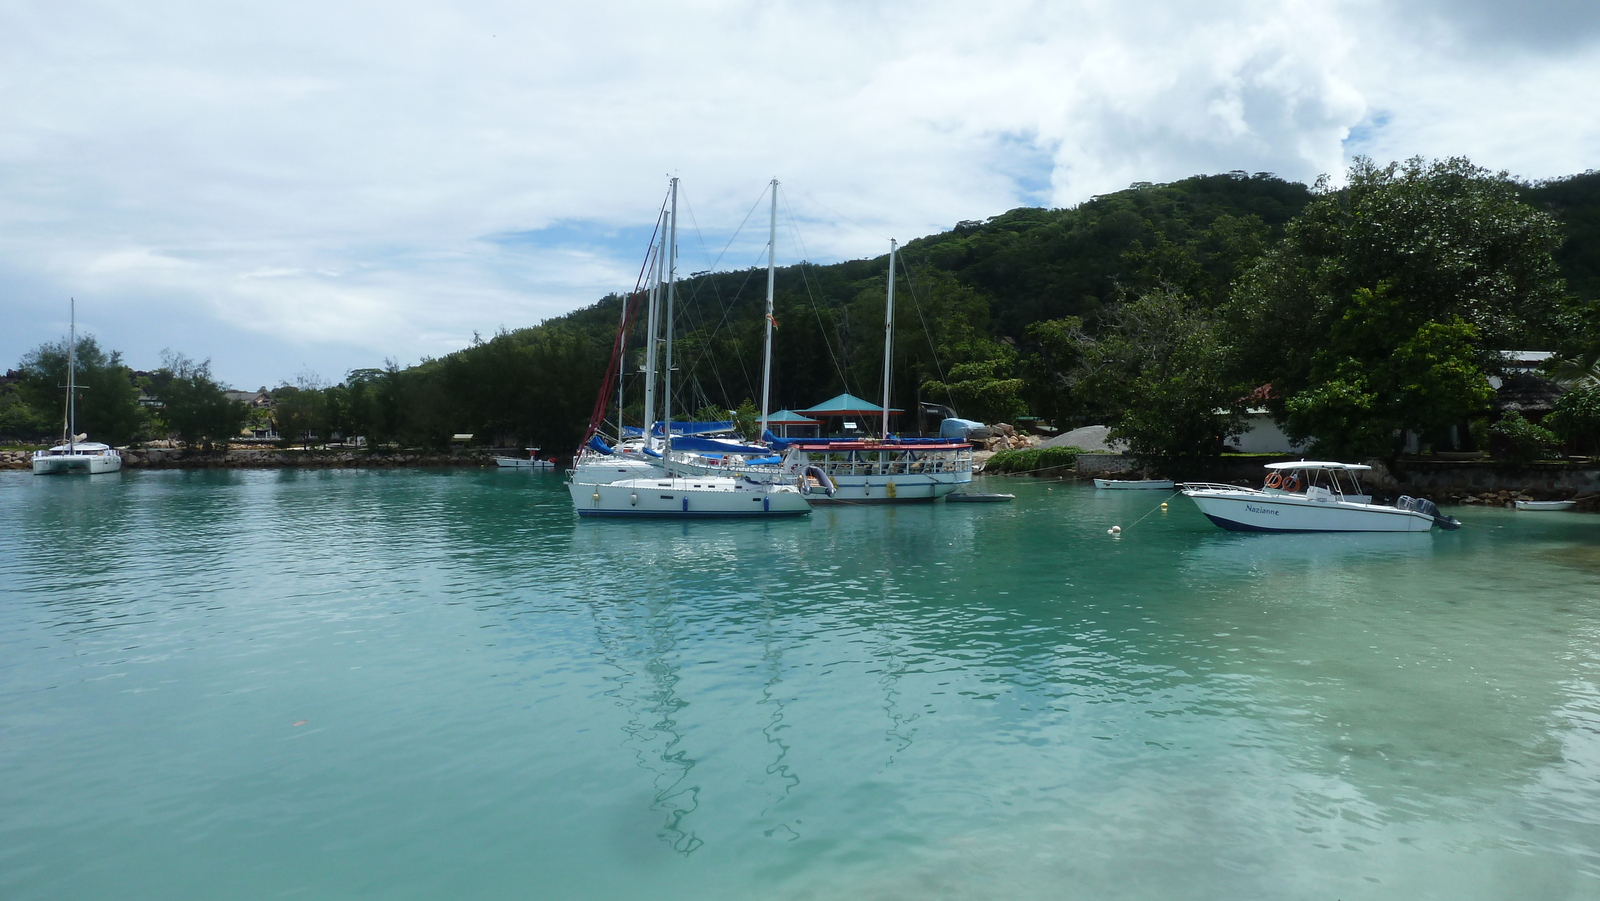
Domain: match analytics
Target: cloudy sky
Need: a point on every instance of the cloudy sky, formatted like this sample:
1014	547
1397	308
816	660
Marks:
309	187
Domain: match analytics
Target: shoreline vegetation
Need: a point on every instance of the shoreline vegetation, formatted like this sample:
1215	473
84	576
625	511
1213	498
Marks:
1374	319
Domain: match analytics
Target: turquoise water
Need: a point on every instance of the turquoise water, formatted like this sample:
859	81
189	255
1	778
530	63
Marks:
418	684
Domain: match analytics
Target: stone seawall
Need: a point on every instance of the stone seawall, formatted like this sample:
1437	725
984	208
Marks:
1477	481
165	458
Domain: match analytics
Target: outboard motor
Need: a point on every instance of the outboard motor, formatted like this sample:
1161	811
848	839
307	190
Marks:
1428	508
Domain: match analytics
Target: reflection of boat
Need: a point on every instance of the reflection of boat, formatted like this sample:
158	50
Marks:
529	462
74	454
1547	506
1133	484
978	497
1312	497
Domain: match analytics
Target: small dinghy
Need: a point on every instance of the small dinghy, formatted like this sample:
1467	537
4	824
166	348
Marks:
1134	484
1548	506
978	497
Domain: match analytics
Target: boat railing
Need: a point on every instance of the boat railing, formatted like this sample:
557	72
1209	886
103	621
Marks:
1216	486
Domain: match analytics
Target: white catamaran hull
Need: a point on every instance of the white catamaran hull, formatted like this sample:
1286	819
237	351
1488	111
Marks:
61	464
1260	512
687	498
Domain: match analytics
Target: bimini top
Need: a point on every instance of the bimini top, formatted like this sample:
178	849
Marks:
1313	464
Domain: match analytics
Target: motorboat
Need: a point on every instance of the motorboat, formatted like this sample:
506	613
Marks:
1134	484
688	498
1308	496
1546	506
531	461
75	453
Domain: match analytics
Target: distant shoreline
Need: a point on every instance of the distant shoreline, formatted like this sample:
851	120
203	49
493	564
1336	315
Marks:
276	458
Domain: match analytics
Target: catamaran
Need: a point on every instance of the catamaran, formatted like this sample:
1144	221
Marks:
666	494
75	453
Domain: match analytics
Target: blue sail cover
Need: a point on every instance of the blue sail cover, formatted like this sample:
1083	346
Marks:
692	428
599	446
713	446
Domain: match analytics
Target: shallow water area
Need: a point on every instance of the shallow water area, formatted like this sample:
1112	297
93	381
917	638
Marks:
421	684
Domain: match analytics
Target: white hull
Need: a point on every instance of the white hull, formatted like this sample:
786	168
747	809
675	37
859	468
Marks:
1547	506
1249	511
878	476
1133	484
594	469
686	498
519	463
62	464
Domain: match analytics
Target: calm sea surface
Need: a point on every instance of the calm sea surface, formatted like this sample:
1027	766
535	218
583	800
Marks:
426	684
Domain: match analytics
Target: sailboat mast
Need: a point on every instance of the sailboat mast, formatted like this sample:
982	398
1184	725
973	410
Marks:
672	284
888	340
772	273
71	422
650	362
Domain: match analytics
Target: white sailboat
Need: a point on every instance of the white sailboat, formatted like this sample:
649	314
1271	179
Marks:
74	453
674	495
882	470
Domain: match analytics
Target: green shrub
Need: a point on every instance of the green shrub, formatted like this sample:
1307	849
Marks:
1576	417
1515	438
1032	459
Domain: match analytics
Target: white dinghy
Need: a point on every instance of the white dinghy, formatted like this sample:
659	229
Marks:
1312	497
1546	506
1134	484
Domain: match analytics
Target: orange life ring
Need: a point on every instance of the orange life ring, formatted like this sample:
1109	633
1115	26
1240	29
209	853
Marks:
1274	480
1292	483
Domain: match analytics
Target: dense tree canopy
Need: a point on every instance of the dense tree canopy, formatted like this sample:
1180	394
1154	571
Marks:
107	401
193	405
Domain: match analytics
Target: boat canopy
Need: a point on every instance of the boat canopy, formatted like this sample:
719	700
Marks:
658	428
713	446
1314	464
81	447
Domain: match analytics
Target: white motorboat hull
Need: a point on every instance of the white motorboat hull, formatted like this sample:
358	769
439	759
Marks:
1261	512
1134	484
686	498
520	463
1546	506
93	464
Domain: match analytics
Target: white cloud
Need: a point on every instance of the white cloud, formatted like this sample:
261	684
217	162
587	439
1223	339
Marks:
303	186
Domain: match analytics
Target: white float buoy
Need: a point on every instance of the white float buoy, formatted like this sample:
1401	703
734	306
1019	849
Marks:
1114	530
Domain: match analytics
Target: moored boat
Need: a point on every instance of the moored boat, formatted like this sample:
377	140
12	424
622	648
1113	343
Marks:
75	453
1546	506
1311	496
688	498
1134	484
531	461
